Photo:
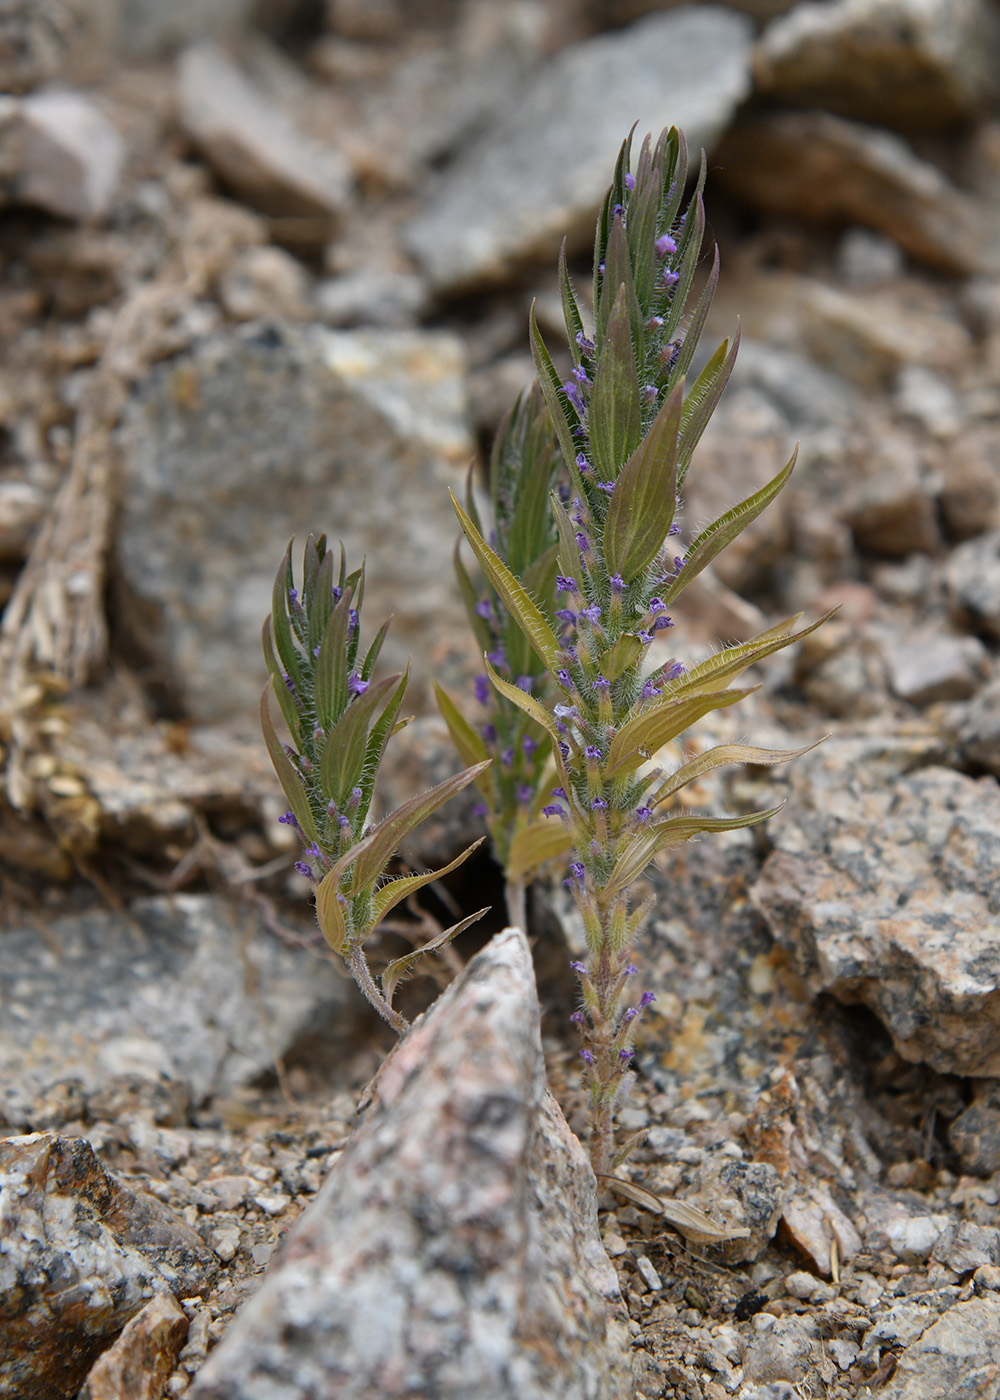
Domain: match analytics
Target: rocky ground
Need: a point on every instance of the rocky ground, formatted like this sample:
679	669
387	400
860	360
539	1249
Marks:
265	269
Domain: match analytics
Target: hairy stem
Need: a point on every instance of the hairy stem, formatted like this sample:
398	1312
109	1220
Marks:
517	904
361	973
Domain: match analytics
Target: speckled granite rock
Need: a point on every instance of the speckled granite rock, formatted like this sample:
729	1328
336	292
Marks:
453	1249
81	1256
885	886
955	1356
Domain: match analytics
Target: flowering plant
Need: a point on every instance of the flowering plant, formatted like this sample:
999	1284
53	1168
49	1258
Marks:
340	720
626	426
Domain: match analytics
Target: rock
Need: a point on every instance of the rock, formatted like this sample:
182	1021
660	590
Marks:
189	989
33	41
932	666
265	282
975	1136
955	1356
82	1255
886	890
965	1246
151	28
454	1247
823	169
969	495
889	506
22	507
901	1324
138	1365
972	575
254	146
975	728
814	1223
273	430
925	396
783	1352
60	153
513	192
741	1195
374	297
914	64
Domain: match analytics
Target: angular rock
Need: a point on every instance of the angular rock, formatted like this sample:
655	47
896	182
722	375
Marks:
782	1352
823	169
975	1136
60	153
890	507
913	64
745	1195
529	179
453	1250
972	575
975	728
33	41
265	282
965	1246
814	1223
189	990
253	145
902	1226
82	1254
934	666
970	483
151	28
885	887
956	1356
273	430
138	1365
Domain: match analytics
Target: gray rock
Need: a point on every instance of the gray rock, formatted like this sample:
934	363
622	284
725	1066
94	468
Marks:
956	1356
902	1225
890	506
252	144
965	1246
970	482
265	282
189	990
975	1136
532	177
785	1352
272	430
33	41
913	64
60	153
454	1248
975	727
886	889
150	28
972	575
933	666
82	1254
822	168
744	1195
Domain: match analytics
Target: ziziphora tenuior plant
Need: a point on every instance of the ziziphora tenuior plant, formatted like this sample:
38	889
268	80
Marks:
340	720
524	466
627	427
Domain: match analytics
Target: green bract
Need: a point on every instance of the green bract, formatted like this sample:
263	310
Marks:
626	424
340	720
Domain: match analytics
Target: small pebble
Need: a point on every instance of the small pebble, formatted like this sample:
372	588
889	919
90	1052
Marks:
649	1274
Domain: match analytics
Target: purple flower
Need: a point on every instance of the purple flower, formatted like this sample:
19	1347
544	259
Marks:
599	805
585	1055
293	597
650	688
625	1055
579	968
564	677
643	814
525	793
526	682
354	798
670	278
507	758
559	792
629	180
645	638
344	821
657	605
564	584
646	999
483	689
497	659
352	621
617	583
665	245
529	745
662	623
582	463
580	374
649	392
587	346
583	544
565	711
480	809
564	750
592	751
483	607
304	869
313	850
631	970
601	683
678	565
289	819
592	614
629	1016
675	529
489	733
572	391
355	685
566	615
606	486
677	669
577	1018
616	211
578	872
552	810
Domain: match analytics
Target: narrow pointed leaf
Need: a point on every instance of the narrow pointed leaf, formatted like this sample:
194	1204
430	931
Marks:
669	833
330	672
343	758
534	710
726	665
564	418
470	747
724	530
371	656
542	841
625	653
571	310
404	965
615	410
696	325
722	756
645	497
703	400
641	736
284	697
329	911
395	891
283	640
525	612
288	776
376	849
379	735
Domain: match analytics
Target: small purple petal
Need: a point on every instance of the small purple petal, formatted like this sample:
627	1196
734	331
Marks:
564	584
304	869
586	1057
646	999
665	245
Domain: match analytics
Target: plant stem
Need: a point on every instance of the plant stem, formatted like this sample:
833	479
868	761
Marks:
517	904
361	973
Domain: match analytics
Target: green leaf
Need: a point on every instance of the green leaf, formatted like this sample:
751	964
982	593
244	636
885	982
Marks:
330	672
625	653
288	775
722	756
515	599
696	325
703	399
343	759
672	832
379	735
284	697
479	625
329	910
319	601
401	967
371	656
721	532
470	747
615	411
387	896
645	497
533	845
656	725
563	416
571	310
374	851
284	642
